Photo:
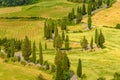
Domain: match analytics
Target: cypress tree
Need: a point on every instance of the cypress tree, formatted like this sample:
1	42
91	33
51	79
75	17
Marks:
26	48
79	68
84	9
78	17
55	35
58	63
84	43
45	45
89	10
67	43
58	42
45	30
101	39
91	43
65	62
34	53
108	3
96	37
89	22
40	54
63	35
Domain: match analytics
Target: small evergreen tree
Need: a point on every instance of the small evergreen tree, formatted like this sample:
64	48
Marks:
79	68
96	37
89	22
58	42
84	43
63	35
101	39
34	53
84	9
40	54
67	43
45	45
26	48
91	43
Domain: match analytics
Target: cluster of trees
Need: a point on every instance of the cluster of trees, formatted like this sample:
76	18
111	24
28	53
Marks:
95	3
10	46
99	41
16	2
27	51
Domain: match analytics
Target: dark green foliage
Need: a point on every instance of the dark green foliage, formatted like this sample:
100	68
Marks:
63	35
71	15
34	53
108	3
67	43
89	9
40	54
16	2
58	42
96	37
53	68
79	68
101	39
84	43
45	45
63	24
40	77
58	63
26	48
62	64
116	76
84	9
84	77
79	17
89	22
66	75
91	43
101	78
55	35
118	26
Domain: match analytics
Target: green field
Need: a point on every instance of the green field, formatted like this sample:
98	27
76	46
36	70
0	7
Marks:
101	62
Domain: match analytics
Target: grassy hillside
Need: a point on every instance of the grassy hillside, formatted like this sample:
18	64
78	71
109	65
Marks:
102	62
47	8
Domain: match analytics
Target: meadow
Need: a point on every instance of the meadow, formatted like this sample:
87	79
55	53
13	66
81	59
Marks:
101	62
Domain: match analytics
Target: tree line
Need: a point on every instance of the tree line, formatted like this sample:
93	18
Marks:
16	2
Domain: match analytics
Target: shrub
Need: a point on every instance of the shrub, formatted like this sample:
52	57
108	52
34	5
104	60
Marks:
116	76
101	78
6	60
47	67
40	77
2	55
84	77
118	26
52	68
23	63
14	59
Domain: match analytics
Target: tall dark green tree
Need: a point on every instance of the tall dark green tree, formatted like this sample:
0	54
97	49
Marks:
101	39
96	37
89	22
79	68
45	45
40	54
34	53
84	9
67	43
26	48
89	9
108	3
63	35
58	42
91	43
79	17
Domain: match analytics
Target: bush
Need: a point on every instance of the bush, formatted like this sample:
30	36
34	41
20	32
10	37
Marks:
2	55
14	59
101	78
53	68
84	77
118	26
47	67
6	60
23	63
116	76
40	77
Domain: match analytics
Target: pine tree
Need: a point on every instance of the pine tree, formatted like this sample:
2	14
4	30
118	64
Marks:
79	68
55	35
84	43
26	48
67	43
40	54
101	39
96	37
91	43
89	22
34	53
